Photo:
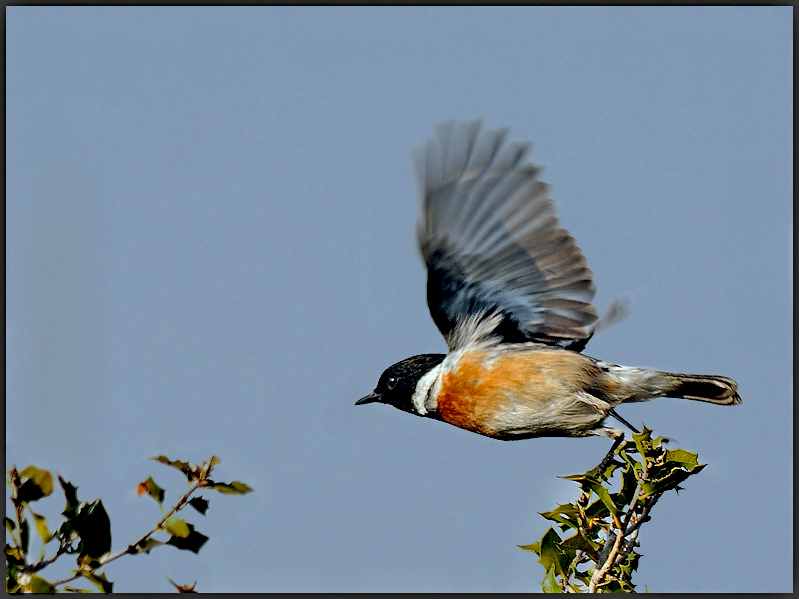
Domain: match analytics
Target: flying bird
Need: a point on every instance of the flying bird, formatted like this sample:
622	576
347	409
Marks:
511	293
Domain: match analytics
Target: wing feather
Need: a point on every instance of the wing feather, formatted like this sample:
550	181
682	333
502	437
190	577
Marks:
490	237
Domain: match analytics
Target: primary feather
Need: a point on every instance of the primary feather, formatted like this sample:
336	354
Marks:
492	242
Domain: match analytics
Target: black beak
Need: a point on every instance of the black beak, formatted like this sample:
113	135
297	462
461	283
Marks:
371	398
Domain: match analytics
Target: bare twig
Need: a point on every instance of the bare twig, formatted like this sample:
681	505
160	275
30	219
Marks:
43	563
16	483
600	573
631	511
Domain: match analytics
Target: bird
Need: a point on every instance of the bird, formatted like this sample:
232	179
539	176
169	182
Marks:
512	294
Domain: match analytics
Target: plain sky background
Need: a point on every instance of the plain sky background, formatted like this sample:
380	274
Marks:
211	250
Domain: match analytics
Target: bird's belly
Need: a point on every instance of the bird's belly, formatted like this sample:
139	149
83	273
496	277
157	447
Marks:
520	394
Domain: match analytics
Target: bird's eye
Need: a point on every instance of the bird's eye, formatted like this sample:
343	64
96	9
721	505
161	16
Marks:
391	382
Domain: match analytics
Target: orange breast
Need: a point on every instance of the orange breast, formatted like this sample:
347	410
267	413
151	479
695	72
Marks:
478	392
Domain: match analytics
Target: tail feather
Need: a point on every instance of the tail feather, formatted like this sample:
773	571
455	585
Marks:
703	387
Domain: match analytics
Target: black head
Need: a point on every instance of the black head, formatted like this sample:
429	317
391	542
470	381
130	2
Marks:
398	383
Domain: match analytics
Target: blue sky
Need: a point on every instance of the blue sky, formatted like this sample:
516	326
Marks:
210	229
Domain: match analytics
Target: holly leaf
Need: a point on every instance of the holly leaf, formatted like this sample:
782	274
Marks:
37	584
177	527
605	473
152	489
668	481
687	460
191	472
192	542
71	495
148	545
552	553
24	534
94	528
36	483
590	483
183	588
41	528
596	513
209	465
549	584
646	445
566	515
232	488
199	503
13	556
629	483
581	543
100	581
534	547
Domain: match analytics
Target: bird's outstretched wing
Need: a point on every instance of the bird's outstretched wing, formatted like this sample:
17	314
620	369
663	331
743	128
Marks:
492	242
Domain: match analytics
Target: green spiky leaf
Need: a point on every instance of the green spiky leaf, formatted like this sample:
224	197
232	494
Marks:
94	528
147	545
37	584
193	542
232	488
151	488
24	534
199	503
14	556
71	495
41	527
100	581
647	471
589	483
36	483
552	553
534	547
550	585
566	515
176	527
209	465
192	473
183	588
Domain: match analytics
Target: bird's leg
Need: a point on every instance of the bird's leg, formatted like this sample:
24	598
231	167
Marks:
613	413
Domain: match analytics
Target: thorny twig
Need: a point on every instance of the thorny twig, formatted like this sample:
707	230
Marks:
135	547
